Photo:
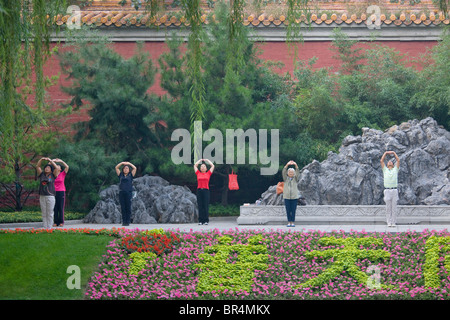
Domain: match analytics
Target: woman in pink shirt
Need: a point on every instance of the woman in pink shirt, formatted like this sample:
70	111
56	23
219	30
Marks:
60	194
203	176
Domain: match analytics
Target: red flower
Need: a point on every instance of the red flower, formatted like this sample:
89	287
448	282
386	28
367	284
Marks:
156	243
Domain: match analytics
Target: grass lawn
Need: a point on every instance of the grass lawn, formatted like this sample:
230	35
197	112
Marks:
34	266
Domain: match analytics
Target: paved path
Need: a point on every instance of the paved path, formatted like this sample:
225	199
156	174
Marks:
227	223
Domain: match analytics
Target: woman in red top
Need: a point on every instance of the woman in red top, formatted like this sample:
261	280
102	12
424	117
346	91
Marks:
203	176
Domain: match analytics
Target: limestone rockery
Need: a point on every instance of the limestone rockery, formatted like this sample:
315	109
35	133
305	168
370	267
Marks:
156	201
354	175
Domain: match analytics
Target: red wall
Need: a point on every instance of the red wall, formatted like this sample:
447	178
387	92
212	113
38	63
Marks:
322	50
276	51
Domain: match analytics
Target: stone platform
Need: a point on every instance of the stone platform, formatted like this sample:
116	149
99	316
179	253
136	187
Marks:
343	214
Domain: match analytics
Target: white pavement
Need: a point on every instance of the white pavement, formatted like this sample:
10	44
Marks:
227	223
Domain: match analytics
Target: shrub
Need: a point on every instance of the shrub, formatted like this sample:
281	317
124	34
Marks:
34	216
139	260
155	242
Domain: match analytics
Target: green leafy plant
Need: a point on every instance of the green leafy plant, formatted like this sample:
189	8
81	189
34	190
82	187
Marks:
434	246
34	216
345	258
139	260
227	266
115	91
23	24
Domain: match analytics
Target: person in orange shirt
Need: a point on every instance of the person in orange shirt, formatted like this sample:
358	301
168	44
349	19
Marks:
203	176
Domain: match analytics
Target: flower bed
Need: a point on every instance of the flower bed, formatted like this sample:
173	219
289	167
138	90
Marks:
275	265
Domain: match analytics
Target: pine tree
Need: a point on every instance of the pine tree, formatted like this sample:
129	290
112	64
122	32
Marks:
115	91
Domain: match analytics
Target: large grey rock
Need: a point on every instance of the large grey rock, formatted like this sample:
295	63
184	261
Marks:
156	201
354	176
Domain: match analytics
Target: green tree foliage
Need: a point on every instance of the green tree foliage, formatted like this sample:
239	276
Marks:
194	61
373	87
115	90
432	96
91	170
383	85
23	25
316	105
347	51
385	90
34	133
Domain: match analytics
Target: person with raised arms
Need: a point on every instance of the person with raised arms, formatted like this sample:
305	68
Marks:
390	178
47	177
126	176
203	176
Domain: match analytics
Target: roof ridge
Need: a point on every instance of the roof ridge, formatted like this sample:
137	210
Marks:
120	18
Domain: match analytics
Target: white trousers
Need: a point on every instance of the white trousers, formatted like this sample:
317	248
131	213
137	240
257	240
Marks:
391	198
47	205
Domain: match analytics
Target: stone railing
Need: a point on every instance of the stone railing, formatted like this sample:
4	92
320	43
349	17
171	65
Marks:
345	214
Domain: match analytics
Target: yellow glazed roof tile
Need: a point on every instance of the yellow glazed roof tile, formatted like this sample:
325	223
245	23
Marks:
109	13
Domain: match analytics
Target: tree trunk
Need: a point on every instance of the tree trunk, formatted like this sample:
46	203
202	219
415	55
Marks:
19	188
